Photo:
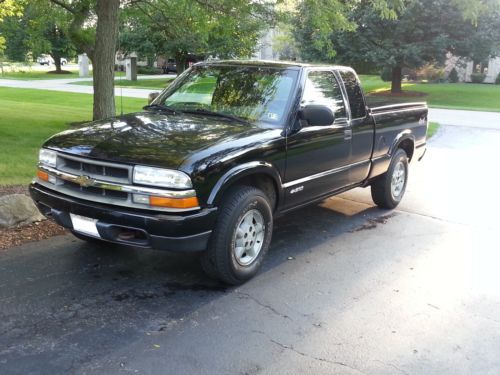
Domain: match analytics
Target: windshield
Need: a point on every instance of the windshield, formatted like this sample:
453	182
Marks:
255	94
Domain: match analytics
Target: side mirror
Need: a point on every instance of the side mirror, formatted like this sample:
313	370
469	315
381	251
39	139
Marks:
152	96
317	115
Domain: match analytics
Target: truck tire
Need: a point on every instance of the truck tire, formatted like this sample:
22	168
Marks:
241	236
389	188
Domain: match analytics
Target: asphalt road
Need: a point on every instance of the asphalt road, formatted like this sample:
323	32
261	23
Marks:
347	289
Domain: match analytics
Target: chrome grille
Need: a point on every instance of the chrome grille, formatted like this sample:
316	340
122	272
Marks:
95	169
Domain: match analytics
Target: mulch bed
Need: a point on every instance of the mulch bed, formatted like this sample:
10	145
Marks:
22	234
403	94
14	189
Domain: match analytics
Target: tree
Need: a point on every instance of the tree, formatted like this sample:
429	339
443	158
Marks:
178	28
98	39
422	32
46	31
315	21
13	30
8	8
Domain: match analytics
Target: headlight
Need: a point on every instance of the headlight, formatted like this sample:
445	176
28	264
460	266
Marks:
47	157
161	177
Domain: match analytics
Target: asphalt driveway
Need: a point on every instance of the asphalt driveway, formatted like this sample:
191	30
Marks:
347	288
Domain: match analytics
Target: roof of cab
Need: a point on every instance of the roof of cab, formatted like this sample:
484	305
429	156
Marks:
269	63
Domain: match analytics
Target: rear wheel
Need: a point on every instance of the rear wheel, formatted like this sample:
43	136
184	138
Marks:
389	188
241	236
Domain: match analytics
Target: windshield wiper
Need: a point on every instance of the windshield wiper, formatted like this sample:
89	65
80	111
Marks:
203	111
161	107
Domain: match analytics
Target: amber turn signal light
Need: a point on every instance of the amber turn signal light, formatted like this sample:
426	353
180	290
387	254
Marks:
173	202
44	176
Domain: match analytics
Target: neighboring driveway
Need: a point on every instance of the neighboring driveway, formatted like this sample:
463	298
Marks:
65	85
347	288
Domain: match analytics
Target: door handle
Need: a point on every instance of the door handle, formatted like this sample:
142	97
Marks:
347	134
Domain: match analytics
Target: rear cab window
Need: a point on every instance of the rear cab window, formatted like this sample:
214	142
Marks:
354	94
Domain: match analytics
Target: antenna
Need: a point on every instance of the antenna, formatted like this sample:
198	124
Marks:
120	76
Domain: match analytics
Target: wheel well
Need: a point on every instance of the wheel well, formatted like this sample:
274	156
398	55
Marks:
260	181
407	146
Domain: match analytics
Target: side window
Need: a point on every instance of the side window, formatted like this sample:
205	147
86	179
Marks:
354	94
322	88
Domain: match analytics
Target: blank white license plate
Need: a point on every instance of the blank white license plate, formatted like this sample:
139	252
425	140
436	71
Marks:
84	225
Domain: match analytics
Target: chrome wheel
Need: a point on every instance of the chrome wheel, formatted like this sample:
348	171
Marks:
249	237
398	180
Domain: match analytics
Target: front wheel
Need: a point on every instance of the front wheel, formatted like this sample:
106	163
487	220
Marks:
389	188
241	236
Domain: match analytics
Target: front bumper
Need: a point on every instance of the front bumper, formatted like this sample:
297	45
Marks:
187	233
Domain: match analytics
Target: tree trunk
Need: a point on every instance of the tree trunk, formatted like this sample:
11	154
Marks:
57	62
180	62
103	58
396	80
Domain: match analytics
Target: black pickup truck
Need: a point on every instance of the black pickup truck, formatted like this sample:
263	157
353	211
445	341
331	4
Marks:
228	146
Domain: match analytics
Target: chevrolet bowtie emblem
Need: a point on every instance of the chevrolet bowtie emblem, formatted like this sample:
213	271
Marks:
84	181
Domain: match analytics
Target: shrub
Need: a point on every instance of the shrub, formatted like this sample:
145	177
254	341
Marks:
430	73
147	70
497	81
477	77
453	76
386	74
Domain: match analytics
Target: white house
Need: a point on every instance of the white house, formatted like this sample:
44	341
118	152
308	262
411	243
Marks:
465	68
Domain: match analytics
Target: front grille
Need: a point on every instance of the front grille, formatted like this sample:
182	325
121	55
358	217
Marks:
93	191
98	170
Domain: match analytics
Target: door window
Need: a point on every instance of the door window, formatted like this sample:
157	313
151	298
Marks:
354	93
322	88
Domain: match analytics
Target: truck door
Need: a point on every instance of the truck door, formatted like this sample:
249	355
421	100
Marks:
318	156
362	127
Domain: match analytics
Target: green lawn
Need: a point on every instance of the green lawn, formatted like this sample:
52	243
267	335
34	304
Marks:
28	117
433	128
155	84
372	82
468	96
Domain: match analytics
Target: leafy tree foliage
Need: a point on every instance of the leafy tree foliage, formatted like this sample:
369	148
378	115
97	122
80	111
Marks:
93	29
316	21
14	34
178	28
8	8
422	32
46	31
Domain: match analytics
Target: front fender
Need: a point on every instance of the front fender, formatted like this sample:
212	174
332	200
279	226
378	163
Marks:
243	170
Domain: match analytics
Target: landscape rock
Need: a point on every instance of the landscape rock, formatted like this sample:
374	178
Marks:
18	209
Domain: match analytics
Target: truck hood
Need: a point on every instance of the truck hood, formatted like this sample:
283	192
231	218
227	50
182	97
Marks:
150	138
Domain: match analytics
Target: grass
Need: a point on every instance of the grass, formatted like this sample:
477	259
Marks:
467	96
28	117
156	84
433	128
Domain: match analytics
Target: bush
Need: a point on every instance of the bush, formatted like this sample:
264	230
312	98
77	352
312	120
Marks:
386	74
477	77
147	70
430	73
453	76
497	81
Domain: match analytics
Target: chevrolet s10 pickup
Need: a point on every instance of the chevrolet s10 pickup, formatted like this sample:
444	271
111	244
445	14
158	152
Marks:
227	147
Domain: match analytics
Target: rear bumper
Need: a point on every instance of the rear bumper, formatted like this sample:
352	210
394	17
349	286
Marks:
185	233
